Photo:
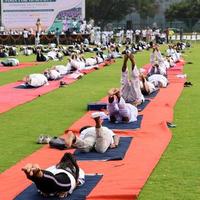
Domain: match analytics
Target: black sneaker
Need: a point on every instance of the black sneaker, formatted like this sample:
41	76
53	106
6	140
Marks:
62	83
170	125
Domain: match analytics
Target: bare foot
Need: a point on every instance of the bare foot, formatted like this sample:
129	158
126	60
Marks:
69	139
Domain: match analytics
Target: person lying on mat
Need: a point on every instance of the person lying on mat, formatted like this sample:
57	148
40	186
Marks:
130	89
159	63
146	86
171	51
118	109
40	57
10	62
158	80
52	74
59	180
99	137
152	83
35	80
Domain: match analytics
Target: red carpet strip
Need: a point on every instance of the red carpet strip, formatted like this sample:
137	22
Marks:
11	95
20	66
122	180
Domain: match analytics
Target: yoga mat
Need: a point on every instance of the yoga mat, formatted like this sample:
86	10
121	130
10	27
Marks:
122	179
124	126
97	106
15	94
142	106
111	154
20	66
80	193
152	95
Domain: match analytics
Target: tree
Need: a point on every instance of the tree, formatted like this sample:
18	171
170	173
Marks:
105	11
146	8
186	11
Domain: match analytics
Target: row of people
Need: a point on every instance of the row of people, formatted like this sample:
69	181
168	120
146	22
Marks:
61	179
74	67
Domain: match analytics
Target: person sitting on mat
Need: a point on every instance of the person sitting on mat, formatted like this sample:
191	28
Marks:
130	89
35	80
59	180
99	137
118	109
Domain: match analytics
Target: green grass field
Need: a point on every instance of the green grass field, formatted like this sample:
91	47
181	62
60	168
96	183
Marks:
176	177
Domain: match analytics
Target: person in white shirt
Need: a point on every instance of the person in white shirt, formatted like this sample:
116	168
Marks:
35	80
10	62
118	109
25	36
130	88
146	86
59	180
99	137
171	51
137	35
52	74
158	80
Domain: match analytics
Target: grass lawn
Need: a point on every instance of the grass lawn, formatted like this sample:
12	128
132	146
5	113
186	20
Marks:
176	177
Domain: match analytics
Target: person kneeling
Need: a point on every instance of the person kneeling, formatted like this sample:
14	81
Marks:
99	137
58	180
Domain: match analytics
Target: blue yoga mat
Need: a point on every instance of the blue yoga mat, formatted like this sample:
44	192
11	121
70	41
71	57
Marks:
142	106
122	125
80	193
111	154
97	106
152	95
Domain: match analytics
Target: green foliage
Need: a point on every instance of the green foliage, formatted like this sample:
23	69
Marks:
187	11
146	8
104	11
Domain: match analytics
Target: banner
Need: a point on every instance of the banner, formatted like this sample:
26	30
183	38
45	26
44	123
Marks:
20	14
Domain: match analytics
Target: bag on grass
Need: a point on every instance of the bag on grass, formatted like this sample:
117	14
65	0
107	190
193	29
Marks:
57	143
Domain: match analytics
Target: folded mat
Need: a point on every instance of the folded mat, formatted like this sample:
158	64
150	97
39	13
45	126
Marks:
111	154
80	193
122	125
142	106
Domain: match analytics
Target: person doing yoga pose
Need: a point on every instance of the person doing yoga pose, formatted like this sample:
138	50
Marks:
58	180
99	137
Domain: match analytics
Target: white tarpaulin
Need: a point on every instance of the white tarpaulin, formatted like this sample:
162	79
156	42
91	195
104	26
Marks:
19	14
